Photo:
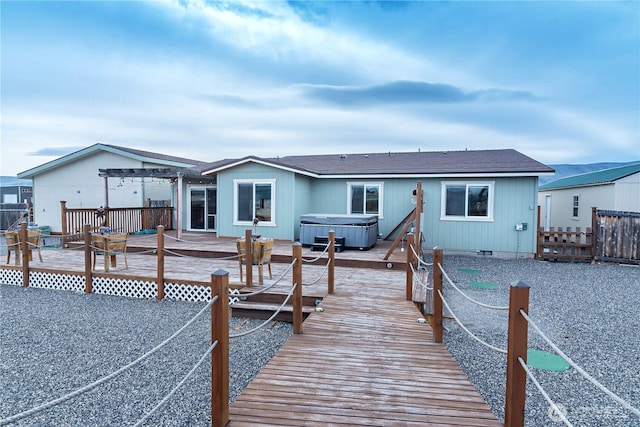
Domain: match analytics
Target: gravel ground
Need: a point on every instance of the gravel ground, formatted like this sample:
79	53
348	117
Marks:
591	312
54	342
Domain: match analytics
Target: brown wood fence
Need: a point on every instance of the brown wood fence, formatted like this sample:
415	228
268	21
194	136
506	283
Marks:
122	220
618	236
614	236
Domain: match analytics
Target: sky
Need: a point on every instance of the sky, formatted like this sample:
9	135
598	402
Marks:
558	81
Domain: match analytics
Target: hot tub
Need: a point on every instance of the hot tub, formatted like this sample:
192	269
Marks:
359	231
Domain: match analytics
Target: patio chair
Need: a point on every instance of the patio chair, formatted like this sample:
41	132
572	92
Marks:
114	244
260	253
12	238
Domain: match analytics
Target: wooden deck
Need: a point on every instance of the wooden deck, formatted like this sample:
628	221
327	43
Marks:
364	360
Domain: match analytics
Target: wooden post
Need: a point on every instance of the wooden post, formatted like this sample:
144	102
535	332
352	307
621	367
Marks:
160	267
595	233
63	222
179	205
418	234
24	252
437	300
220	354
297	293
248	257
332	262
409	275
516	348
88	252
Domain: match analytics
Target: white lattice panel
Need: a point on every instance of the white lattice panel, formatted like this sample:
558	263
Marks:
192	293
65	282
124	287
11	277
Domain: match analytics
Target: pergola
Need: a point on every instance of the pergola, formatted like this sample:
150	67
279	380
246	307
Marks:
175	175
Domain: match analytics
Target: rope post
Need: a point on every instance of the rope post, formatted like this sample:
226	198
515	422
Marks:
88	274
516	348
410	261
63	221
248	256
160	267
437	300
24	252
332	257
220	354
297	292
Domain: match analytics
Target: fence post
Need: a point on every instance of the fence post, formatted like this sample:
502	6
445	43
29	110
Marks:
409	275
437	300
595	233
24	252
248	257
88	252
332	262
220	354
297	292
516	348
63	222
160	267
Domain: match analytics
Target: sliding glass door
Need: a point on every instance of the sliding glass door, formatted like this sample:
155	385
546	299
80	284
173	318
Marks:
202	208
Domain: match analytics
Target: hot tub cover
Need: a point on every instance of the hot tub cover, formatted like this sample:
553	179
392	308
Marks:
337	219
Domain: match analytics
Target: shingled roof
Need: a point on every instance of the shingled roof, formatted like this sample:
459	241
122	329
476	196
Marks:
604	176
481	162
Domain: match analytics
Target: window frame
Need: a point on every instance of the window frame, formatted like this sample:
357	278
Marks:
490	201
575	206
378	184
254	182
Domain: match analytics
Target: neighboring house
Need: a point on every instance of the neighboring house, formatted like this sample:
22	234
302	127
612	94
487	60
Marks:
74	178
567	202
474	200
14	190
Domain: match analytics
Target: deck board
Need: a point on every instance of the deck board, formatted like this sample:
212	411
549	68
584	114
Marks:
364	360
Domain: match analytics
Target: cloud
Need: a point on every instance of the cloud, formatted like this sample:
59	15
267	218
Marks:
55	151
407	92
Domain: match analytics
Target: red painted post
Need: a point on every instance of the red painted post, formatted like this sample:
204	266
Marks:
332	262
220	354
437	300
160	266
516	348
410	261
297	293
88	252
248	257
24	252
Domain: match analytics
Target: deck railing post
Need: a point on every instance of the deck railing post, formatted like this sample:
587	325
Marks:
248	257
437	300
332	262
297	292
595	233
88	251
160	267
410	261
63	221
220	354
24	252
516	348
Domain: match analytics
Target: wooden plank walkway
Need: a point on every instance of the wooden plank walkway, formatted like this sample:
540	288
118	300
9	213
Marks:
365	360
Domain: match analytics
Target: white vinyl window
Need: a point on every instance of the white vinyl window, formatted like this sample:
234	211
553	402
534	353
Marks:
253	199
576	206
467	201
365	198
